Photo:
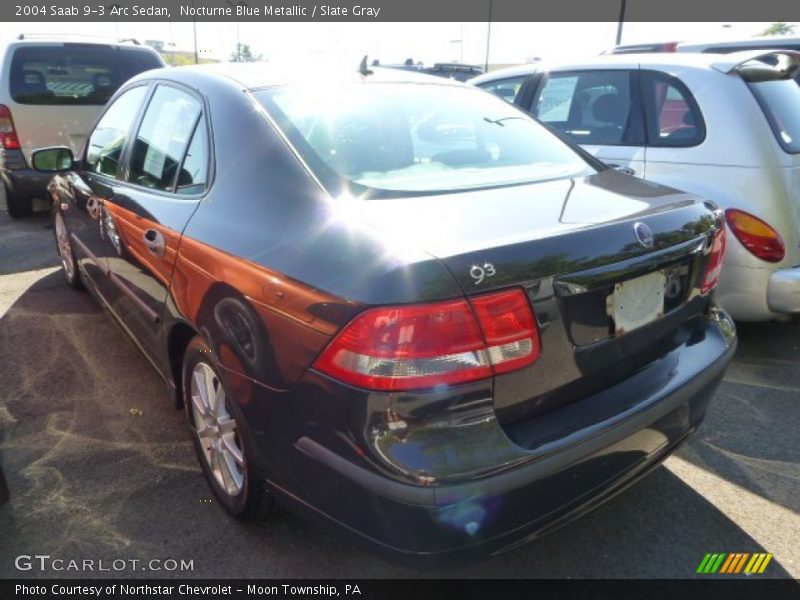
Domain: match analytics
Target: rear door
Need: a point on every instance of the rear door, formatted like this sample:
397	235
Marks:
164	177
91	184
58	90
598	109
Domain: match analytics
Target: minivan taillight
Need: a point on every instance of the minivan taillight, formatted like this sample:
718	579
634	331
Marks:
396	348
8	135
757	236
715	258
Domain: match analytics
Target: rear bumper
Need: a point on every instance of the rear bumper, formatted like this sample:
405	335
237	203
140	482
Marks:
540	488
783	291
19	179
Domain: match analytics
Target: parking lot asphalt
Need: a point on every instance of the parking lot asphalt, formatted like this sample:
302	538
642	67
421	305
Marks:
100	465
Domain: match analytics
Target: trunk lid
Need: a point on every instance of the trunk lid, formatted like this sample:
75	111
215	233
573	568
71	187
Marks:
572	244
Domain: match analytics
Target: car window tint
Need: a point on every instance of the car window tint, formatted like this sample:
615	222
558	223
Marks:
74	74
162	139
592	107
193	176
108	138
674	117
507	89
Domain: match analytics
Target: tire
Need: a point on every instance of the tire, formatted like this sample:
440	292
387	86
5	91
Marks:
221	440
18	206
66	252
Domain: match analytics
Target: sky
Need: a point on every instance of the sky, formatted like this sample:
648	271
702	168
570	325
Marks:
511	43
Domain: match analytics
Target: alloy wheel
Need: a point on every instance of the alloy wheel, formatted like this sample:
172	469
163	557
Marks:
216	430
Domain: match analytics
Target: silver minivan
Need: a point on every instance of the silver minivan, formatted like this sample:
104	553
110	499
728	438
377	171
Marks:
51	93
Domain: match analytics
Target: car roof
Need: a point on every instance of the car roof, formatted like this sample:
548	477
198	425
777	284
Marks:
506	72
724	63
261	74
769	41
63	41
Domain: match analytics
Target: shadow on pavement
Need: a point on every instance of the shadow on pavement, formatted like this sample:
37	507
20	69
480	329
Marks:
750	436
22	245
92	478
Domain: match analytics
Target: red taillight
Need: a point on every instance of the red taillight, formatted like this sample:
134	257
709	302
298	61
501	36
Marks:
426	345
669	47
715	258
509	329
758	237
8	136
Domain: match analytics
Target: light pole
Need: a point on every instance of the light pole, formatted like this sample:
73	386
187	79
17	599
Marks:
194	33
621	21
238	37
489	36
461	50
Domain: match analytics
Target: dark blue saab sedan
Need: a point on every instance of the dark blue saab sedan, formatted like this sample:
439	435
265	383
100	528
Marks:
394	303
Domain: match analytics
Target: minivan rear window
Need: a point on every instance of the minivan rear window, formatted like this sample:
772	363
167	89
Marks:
74	74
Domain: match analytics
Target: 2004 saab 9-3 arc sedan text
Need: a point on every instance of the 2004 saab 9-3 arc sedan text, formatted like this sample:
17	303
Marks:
393	302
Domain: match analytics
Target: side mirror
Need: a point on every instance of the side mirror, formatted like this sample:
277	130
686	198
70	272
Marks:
53	160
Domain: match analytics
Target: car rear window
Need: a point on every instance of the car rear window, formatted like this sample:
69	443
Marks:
416	138
779	97
74	74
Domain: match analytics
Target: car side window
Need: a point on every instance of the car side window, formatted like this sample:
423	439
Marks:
163	138
507	89
673	117
108	138
591	107
193	175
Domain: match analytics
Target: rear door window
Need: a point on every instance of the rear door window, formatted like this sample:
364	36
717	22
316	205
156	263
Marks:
164	135
673	117
591	107
74	74
193	175
107	141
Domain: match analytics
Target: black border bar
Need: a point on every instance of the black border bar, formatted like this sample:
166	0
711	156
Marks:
398	10
710	588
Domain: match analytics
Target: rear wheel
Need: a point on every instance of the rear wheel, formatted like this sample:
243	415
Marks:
18	206
69	266
227	457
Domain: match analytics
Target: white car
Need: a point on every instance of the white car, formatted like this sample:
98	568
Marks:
51	93
726	127
768	42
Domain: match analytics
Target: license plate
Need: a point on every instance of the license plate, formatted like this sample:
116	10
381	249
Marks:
637	302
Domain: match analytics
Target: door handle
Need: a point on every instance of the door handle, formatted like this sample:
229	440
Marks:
94	207
154	240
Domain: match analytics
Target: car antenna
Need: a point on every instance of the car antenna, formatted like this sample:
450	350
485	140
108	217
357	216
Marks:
362	68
